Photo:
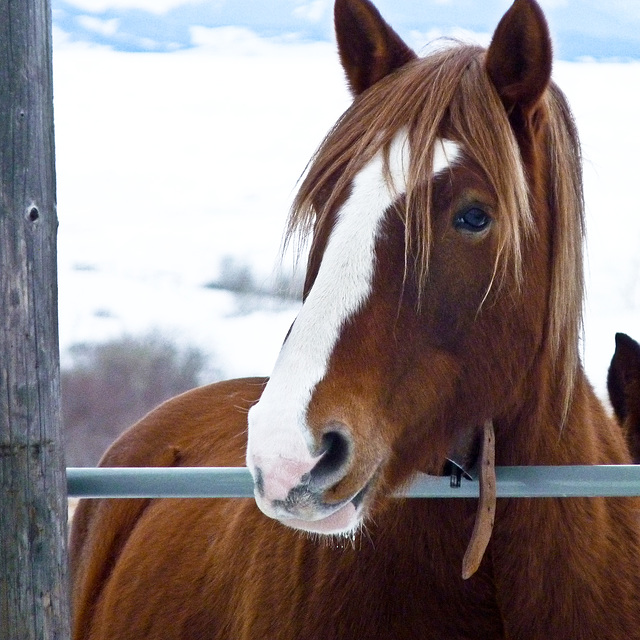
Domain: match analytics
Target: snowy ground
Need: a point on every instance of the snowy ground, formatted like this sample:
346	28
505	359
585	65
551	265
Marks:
168	163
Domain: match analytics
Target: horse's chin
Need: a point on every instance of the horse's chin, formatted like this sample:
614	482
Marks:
339	520
345	521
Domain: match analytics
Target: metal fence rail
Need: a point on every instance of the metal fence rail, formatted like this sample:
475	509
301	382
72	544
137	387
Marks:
236	482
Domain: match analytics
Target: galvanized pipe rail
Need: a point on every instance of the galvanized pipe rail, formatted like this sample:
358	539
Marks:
236	482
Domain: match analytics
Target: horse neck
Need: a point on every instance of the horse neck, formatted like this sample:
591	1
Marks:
539	432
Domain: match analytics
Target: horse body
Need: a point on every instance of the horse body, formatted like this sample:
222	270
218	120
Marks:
174	569
273	582
443	290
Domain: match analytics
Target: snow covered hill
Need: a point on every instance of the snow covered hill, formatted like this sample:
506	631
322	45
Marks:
171	166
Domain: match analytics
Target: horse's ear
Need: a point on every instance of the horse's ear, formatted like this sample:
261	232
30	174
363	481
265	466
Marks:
519	57
623	380
369	48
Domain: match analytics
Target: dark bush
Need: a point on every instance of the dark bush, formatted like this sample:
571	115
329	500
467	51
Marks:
110	386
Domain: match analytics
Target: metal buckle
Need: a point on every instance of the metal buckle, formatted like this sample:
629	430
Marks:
456	471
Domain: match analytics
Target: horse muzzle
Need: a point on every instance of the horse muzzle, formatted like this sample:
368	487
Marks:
305	510
308	504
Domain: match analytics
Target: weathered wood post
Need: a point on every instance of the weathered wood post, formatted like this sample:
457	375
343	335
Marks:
33	556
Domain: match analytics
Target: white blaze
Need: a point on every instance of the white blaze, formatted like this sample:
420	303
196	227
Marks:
277	423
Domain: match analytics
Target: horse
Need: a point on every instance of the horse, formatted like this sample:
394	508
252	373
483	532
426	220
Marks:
623	385
440	324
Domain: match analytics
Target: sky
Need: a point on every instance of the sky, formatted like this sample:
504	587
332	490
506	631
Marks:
581	28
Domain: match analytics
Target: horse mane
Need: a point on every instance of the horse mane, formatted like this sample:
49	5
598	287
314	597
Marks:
449	94
566	299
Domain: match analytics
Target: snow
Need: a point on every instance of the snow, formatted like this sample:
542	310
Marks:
166	165
169	163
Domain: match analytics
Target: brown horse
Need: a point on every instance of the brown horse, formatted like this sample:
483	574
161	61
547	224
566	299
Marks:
623	384
443	293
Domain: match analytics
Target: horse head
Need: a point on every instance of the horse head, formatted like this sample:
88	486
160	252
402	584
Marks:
445	209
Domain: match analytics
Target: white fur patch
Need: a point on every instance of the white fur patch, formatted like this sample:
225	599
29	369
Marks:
277	424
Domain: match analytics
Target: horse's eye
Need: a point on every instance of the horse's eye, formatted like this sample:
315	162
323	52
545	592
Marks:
473	220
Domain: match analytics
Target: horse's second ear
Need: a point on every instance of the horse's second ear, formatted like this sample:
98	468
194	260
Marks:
519	57
369	48
623	380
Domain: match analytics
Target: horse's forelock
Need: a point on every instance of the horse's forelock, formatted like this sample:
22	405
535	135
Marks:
446	95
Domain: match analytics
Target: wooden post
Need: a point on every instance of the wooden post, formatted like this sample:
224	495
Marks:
34	590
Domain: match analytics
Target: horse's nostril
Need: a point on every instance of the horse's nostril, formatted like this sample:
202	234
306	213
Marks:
331	468
259	481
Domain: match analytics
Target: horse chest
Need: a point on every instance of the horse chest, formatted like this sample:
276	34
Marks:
381	586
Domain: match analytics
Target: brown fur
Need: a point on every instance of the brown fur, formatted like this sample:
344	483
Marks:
459	329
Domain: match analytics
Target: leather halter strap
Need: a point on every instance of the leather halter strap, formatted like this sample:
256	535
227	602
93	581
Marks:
486	510
473	455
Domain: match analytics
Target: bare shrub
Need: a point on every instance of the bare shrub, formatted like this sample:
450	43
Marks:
236	276
111	385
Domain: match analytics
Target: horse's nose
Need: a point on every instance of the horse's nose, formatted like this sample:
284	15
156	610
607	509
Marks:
281	476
